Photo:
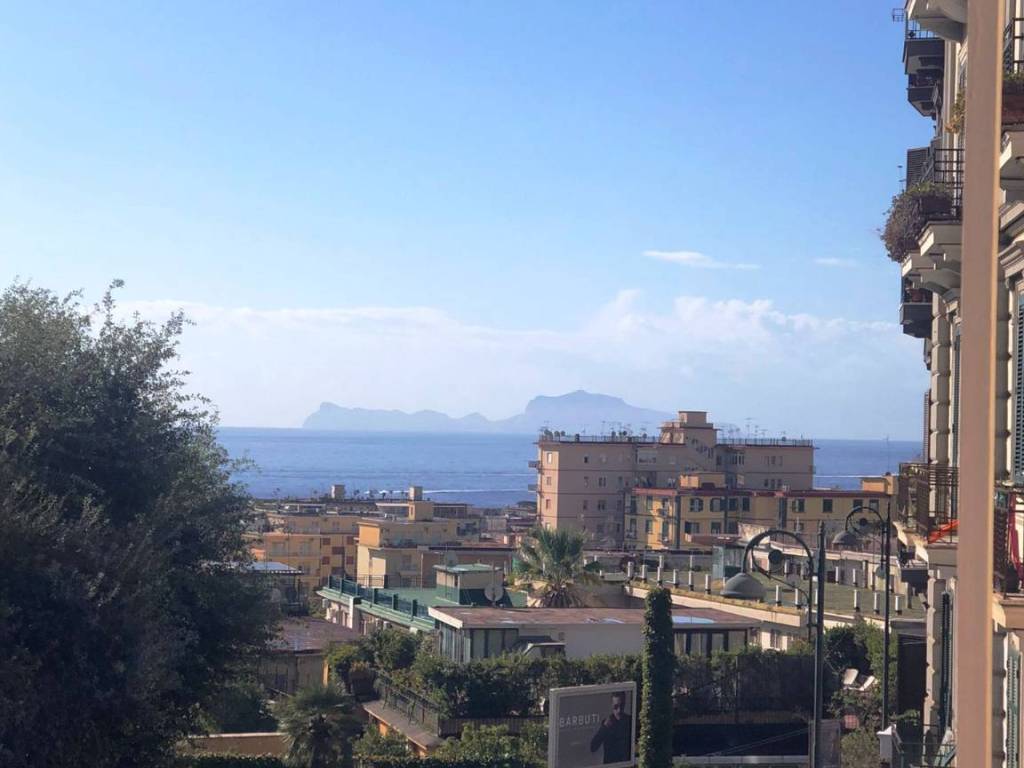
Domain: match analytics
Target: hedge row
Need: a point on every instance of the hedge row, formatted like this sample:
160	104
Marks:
439	762
229	761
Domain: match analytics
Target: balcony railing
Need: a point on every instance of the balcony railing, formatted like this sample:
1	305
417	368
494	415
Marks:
944	167
421	710
927	500
1013	45
1007	570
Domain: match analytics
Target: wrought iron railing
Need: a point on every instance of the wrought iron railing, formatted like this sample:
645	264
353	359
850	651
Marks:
421	710
944	167
1007	569
1013	45
927	499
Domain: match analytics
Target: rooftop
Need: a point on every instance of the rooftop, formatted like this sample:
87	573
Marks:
308	634
467	616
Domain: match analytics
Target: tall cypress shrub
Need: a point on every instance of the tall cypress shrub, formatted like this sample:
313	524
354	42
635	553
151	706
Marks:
658	662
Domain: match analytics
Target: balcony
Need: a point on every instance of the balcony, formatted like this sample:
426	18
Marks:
926	501
923	50
535	464
923	92
916	311
1008	519
945	18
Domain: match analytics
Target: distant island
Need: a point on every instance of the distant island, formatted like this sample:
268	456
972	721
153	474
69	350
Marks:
577	411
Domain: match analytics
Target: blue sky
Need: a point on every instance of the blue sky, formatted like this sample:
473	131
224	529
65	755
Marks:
461	205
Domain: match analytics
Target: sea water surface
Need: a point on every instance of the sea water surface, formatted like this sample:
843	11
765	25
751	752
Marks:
485	470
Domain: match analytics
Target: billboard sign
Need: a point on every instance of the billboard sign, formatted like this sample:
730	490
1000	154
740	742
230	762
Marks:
592	725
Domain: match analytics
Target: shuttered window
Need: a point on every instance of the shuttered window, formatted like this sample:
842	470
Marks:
1018	394
946	670
956	398
1013	710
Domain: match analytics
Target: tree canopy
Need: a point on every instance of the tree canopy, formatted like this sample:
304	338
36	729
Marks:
122	607
551	567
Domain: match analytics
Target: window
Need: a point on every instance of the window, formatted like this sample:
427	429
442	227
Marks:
826	505
325	560
798	505
586	505
337	550
632	524
691	527
734	504
586	459
600	527
604	458
745	506
547	479
648	525
549	457
618	504
547	503
620	481
696	505
664	530
601	505
586	481
716	527
602	481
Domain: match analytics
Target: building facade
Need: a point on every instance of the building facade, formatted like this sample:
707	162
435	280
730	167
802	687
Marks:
924	236
584	482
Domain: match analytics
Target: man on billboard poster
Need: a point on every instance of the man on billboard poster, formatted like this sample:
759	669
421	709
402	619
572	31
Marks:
615	732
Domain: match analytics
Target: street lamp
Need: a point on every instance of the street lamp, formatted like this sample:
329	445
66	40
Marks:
848	539
742	586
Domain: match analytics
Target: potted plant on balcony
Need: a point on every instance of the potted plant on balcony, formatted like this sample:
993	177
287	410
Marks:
1013	98
909	212
1013	103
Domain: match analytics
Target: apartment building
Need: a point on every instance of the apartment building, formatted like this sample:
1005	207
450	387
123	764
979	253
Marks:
317	543
584	482
401	551
973	699
668	518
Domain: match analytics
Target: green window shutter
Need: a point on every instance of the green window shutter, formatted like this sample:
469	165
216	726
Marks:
956	398
1018	394
1013	710
946	671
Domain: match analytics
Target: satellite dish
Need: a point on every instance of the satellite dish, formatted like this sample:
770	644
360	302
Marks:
494	592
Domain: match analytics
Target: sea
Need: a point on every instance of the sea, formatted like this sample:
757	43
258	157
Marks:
482	469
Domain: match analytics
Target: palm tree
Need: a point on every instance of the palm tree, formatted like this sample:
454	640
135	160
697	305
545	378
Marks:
551	568
320	726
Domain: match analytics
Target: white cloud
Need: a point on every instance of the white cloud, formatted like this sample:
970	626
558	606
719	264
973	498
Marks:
834	261
697	259
792	371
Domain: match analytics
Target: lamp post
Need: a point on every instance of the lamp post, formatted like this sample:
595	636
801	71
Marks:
848	538
743	586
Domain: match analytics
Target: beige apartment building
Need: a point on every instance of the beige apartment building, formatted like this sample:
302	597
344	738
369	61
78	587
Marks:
319	544
584	482
401	550
702	505
961	273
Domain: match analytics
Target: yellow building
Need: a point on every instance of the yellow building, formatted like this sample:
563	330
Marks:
402	551
665	518
583	481
318	544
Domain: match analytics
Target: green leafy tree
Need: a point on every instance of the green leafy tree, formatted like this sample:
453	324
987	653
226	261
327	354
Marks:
374	745
658	664
393	649
486	743
550	567
859	749
239	706
320	726
122	609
